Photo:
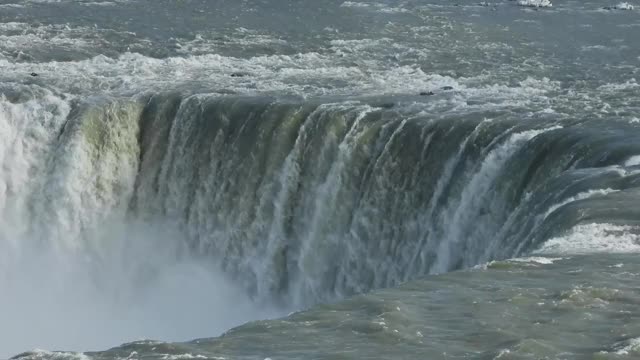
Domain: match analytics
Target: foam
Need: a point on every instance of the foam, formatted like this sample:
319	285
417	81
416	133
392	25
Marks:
188	356
17	6
628	347
354	4
382	8
535	3
304	74
594	238
91	2
41	43
204	43
632	161
537	260
625	348
624	6
630	84
38	354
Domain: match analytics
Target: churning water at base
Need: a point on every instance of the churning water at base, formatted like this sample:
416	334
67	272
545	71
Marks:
195	167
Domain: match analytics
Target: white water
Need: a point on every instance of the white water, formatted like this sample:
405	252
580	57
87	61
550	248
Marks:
535	3
594	238
75	271
475	195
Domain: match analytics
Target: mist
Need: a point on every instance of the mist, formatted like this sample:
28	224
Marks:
133	283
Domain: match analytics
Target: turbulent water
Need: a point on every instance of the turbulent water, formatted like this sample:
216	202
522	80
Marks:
347	179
